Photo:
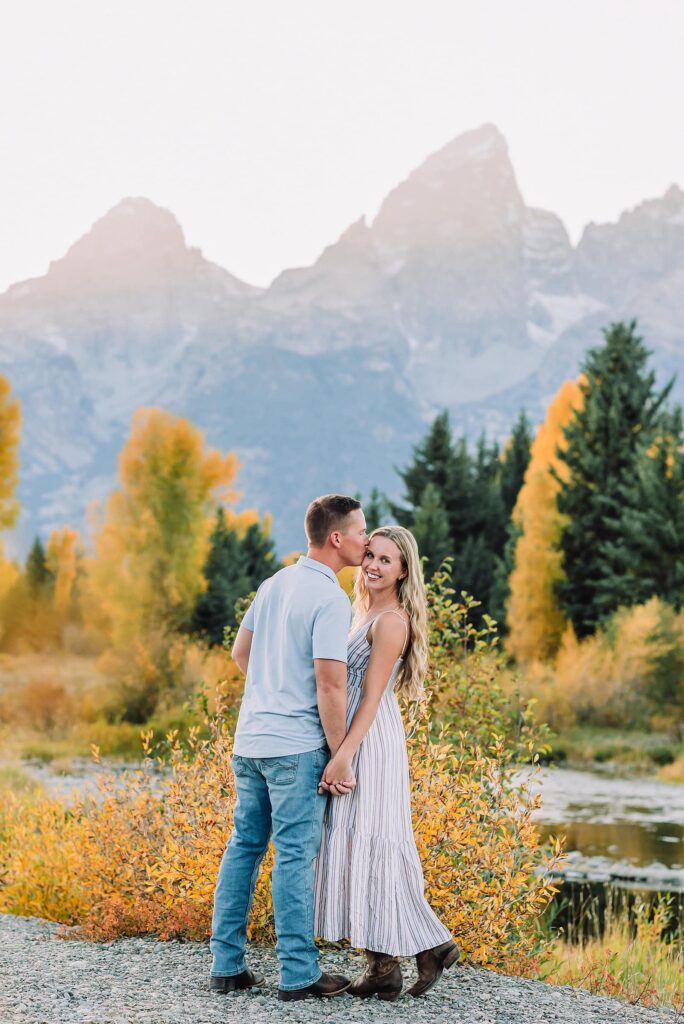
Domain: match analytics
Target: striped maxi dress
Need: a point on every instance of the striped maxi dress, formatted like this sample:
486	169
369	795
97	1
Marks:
369	880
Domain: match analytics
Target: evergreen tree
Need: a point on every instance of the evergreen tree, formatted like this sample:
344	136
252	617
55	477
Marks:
513	465
433	463
651	545
430	527
606	443
504	565
489	518
468	492
38	576
514	461
226	579
234	568
258	554
474	564
375	510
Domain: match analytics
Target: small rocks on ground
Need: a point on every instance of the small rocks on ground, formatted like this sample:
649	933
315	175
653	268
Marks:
48	980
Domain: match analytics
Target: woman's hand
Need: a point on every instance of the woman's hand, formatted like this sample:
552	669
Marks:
338	777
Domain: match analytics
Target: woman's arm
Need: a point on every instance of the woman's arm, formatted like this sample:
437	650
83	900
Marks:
389	638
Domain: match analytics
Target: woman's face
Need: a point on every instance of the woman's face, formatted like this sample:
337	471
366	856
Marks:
381	567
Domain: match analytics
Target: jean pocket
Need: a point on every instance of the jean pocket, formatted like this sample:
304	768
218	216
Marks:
280	771
238	765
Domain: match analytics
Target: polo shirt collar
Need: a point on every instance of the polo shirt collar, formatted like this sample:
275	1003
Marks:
313	563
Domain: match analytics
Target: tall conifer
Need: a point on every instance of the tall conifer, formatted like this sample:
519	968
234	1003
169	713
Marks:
606	442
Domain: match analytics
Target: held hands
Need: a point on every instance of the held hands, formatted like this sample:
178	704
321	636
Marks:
338	778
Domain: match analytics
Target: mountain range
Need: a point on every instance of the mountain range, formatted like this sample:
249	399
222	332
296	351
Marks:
456	295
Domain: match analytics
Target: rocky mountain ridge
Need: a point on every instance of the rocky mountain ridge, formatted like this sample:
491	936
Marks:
455	295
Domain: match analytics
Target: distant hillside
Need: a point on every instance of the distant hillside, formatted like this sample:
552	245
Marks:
457	295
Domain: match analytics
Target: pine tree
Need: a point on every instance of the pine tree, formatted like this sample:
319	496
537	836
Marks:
430	527
236	565
504	565
606	442
433	461
38	576
651	544
227	580
375	510
514	461
258	554
488	517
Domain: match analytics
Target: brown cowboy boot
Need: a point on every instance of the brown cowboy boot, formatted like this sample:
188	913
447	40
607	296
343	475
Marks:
431	963
382	977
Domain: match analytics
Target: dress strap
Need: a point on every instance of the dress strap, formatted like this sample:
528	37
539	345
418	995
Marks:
394	611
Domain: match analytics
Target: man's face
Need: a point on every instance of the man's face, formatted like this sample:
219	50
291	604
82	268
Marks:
354	539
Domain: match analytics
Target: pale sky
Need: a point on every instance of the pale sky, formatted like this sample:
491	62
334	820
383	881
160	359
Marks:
268	127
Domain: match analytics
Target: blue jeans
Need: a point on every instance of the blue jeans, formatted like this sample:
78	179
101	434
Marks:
276	795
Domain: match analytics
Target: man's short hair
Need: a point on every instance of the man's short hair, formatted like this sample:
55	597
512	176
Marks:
326	514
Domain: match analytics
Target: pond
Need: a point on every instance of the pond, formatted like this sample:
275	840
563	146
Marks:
624	840
620	829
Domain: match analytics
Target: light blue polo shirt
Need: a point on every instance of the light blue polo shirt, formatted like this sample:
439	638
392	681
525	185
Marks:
297	615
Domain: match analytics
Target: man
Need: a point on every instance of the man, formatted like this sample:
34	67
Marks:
292	646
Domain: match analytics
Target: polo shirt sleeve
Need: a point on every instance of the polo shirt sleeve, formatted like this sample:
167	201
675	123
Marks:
248	617
331	629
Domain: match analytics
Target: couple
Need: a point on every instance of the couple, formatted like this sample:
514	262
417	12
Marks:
320	765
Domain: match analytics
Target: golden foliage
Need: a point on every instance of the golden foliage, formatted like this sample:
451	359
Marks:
152	543
627	675
150	550
346	578
142	857
534	620
609	678
9	573
61	556
10	427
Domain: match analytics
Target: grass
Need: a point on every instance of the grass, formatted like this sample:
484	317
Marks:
13	779
584	746
637	956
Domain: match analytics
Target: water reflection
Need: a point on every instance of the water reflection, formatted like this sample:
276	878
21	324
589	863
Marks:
637	844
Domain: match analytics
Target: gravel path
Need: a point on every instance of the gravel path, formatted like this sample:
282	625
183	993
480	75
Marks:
45	980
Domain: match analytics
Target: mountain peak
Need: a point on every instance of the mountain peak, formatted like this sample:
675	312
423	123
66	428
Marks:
135	244
465	188
476	146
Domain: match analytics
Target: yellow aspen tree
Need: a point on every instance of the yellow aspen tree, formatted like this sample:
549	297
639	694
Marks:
535	621
61	557
10	427
10	430
152	542
9	574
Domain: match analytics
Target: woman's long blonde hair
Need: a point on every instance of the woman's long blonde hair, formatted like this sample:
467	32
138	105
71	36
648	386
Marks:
411	595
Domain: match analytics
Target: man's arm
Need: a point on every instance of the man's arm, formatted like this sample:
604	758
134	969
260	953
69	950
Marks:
242	647
331	690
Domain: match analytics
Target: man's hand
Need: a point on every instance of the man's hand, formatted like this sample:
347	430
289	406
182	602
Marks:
338	778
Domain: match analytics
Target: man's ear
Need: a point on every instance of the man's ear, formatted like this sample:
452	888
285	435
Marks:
335	538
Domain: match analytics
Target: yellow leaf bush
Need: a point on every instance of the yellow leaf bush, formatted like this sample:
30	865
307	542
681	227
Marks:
142	855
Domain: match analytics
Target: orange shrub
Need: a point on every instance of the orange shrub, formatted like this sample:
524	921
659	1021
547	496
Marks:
143	856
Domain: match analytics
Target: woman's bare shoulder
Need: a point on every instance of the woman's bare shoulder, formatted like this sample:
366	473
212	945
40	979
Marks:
390	630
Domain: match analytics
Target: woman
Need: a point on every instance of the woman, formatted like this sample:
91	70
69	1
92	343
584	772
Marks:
369	881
